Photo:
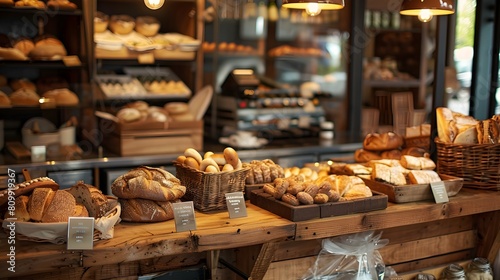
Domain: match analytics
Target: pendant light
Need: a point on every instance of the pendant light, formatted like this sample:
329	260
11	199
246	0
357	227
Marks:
426	9
313	7
154	4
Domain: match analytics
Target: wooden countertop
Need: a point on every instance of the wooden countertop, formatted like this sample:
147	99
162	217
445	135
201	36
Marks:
138	241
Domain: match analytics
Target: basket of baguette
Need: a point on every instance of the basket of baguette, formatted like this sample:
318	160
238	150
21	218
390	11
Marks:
209	177
469	148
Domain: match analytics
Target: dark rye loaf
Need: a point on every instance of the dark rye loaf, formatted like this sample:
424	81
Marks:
92	198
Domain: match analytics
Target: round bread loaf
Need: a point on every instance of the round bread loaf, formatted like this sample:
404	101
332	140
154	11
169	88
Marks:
144	210
63	97
362	155
24	97
177	108
122	24
25	45
22	83
4	100
382	142
61	5
147	26
128	115
48	48
391	154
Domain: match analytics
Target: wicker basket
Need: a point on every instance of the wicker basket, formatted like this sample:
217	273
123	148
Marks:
207	190
477	164
423	142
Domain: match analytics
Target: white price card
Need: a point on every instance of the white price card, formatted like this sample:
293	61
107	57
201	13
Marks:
439	192
184	216
236	205
80	233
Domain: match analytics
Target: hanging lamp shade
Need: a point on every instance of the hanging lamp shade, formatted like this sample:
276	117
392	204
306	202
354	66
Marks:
322	4
435	7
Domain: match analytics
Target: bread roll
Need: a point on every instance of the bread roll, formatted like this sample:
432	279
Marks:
22	84
140	105
62	97
4	100
21	209
92	198
423	177
12	54
191	162
177	108
61	5
417	163
305	198
122	24
212	169
190	152
38	202
25	45
231	157
60	208
219	159
391	154
128	115
48	48
101	21
144	210
148	183
382	142
209	162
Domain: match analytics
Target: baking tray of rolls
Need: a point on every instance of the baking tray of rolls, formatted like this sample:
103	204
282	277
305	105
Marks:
159	81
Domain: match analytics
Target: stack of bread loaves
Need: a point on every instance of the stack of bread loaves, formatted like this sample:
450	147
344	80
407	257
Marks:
146	194
295	190
387	145
211	162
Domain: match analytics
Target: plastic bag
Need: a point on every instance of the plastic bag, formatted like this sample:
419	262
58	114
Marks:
353	256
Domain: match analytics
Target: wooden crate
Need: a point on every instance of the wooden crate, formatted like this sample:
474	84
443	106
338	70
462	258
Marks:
174	138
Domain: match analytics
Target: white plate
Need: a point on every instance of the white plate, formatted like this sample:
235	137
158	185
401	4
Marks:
257	144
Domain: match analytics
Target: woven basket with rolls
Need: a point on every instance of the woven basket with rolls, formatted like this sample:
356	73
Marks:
477	164
207	190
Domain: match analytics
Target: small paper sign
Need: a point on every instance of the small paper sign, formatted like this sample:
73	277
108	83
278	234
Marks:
439	192
184	216
72	60
80	233
146	58
236	205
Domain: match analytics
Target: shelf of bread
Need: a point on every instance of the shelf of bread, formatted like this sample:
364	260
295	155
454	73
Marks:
124	53
62	7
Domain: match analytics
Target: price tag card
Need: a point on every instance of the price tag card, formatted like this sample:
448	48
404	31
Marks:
80	233
72	60
439	192
146	58
184	216
236	205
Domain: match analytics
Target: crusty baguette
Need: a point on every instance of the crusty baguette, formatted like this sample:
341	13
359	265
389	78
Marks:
423	176
144	210
60	208
446	125
38	203
148	183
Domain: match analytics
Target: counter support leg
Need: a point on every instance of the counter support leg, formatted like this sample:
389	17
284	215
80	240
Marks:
263	260
212	261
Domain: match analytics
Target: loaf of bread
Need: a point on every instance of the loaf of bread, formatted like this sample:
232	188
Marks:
488	132
415	151
18	84
148	183
25	97
12	54
4	100
48	47
38	203
417	163
391	154
122	24
27	187
362	155
96	203
262	171
25	45
61	5
30	3
62	97
128	115
382	142
388	174
423	177
61	207
144	210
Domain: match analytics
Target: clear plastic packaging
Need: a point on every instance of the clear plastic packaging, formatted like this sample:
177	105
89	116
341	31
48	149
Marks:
353	256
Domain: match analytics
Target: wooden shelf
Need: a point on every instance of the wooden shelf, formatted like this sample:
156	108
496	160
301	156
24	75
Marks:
162	54
40	64
52	12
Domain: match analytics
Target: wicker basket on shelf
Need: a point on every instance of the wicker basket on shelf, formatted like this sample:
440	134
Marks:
207	190
477	164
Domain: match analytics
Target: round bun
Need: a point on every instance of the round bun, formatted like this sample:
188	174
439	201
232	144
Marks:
63	97
30	3
128	115
157	116
101	21
61	5
122	24
362	155
24	97
48	48
176	108
4	100
24	45
147	26
391	154
22	84
382	142
142	106
415	151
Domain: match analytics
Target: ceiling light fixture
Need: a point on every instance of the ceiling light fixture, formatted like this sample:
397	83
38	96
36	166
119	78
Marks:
426	9
154	4
313	7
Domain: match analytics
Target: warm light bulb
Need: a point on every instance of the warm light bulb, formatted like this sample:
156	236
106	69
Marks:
154	4
313	9
425	15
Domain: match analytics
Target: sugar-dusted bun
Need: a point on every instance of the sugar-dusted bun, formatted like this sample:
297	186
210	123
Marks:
129	115
231	157
24	97
122	24
147	26
362	155
382	142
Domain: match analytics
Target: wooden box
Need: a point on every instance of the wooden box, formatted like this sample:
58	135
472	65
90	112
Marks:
148	138
306	212
410	193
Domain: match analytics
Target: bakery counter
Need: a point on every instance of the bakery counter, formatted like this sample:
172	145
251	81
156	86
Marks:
135	242
312	149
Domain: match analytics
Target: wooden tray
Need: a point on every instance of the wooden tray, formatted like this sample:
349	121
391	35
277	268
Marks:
250	188
410	193
306	212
